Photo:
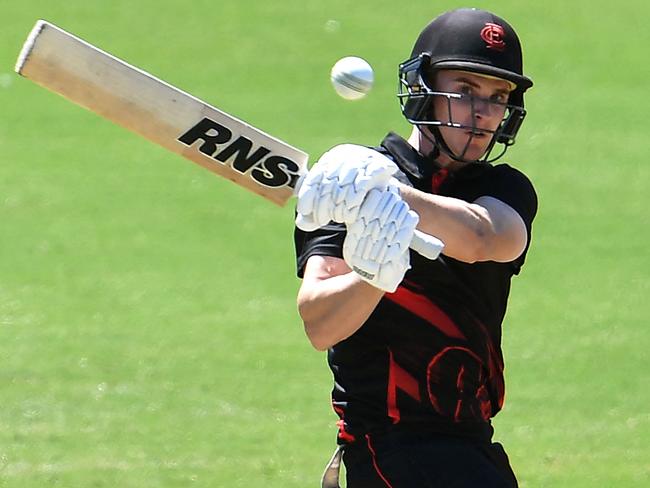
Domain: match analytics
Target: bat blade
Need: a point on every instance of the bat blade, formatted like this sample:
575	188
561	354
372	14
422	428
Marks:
160	112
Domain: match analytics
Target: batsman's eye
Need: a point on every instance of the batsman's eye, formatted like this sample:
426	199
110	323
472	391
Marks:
465	90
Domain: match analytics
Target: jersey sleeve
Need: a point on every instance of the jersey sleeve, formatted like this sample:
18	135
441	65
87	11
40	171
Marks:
326	241
513	188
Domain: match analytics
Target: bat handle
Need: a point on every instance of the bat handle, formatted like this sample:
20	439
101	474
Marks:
426	245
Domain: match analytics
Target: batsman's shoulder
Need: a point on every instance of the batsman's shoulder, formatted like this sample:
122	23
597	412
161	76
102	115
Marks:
508	170
514	176
512	186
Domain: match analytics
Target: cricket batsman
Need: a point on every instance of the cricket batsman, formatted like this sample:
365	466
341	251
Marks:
414	344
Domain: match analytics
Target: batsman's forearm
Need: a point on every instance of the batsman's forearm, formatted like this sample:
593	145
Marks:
463	227
334	308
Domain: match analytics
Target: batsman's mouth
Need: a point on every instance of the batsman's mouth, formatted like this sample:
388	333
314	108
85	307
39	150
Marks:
477	133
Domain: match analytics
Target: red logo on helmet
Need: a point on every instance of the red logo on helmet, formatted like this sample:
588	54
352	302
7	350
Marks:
493	35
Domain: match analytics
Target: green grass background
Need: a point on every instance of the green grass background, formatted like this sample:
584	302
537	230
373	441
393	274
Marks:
148	330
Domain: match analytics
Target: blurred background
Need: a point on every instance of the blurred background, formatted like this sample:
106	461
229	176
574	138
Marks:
148	328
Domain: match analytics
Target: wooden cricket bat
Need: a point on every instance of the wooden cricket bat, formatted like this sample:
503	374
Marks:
142	103
172	118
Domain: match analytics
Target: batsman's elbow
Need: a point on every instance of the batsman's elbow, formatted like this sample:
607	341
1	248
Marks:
317	340
313	326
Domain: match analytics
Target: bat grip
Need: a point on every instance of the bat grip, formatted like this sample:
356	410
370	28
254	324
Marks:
426	245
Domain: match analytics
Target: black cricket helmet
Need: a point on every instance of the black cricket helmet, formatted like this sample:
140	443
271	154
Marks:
469	40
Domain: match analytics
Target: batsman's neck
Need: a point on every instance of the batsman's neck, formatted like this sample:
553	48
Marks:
425	147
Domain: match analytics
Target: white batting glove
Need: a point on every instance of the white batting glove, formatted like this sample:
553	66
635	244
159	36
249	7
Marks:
338	183
377	243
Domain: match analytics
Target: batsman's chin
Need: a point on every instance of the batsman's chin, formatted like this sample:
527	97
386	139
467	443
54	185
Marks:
475	146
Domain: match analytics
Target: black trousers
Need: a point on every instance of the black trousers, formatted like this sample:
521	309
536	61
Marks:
407	460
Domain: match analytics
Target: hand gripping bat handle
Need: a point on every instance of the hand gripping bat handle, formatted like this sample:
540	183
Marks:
424	244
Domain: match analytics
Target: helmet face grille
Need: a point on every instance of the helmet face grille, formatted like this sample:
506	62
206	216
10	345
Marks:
417	101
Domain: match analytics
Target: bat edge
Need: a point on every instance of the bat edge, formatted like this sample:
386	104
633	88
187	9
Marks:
29	44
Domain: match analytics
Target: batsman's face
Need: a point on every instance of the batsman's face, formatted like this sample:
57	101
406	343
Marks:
479	110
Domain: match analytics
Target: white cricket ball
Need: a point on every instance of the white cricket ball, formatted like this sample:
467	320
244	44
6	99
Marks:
352	77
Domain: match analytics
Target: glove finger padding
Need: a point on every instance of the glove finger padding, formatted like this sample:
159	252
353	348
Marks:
377	243
347	175
371	203
378	251
353	250
308	193
390	203
339	182
306	223
324	204
374	229
406	229
343	212
390	270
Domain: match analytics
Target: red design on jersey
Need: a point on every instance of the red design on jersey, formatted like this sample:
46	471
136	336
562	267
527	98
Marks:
438	179
495	366
343	434
493	35
425	309
399	378
470	399
373	454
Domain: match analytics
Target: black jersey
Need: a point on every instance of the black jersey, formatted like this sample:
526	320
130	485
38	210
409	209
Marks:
429	356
